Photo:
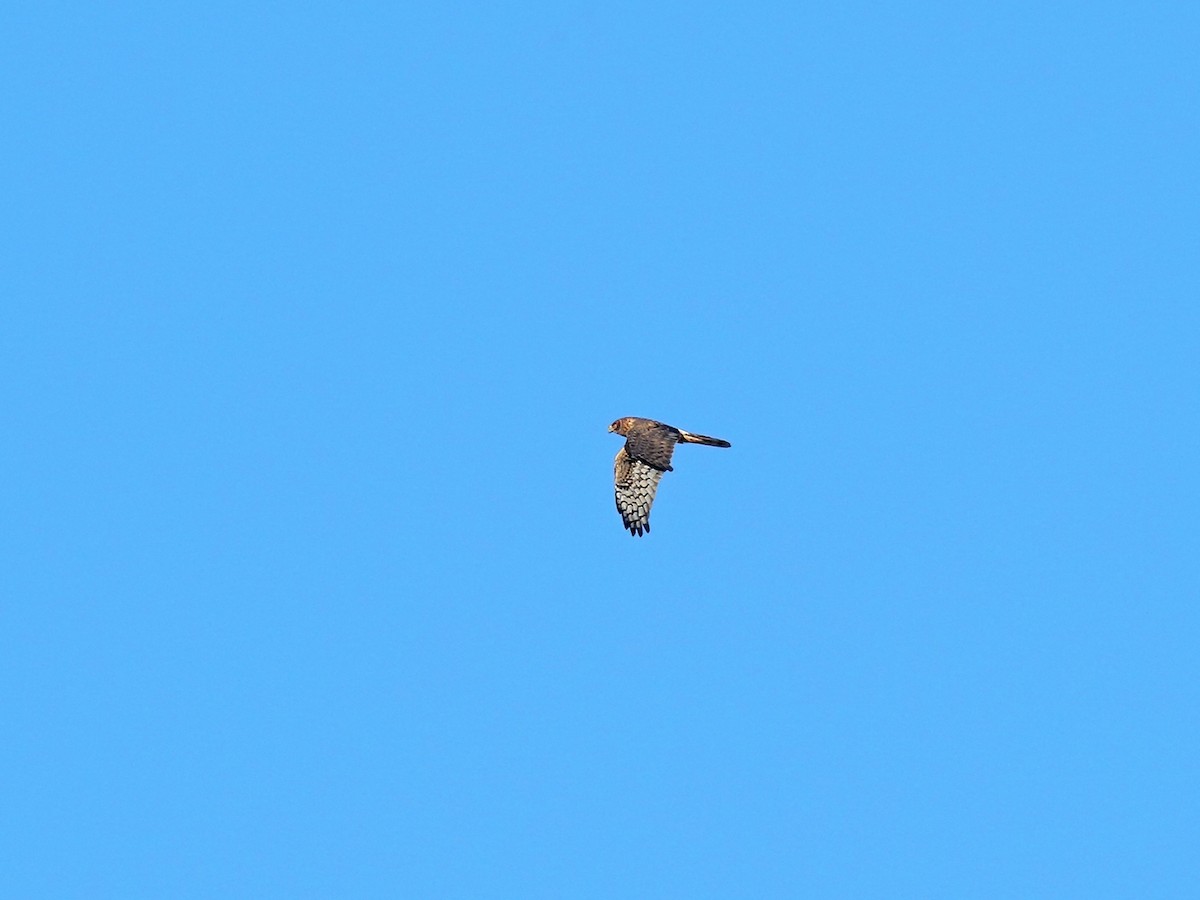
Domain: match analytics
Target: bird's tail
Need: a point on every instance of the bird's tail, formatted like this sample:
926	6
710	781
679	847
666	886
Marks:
689	438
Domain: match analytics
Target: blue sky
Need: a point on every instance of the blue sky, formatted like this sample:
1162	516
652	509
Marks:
314	320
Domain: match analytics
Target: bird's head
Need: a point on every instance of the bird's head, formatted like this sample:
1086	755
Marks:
618	426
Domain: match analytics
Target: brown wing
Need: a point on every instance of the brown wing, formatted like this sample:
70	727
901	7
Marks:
636	483
652	443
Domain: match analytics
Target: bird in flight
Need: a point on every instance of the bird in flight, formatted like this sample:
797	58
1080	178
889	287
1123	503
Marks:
641	463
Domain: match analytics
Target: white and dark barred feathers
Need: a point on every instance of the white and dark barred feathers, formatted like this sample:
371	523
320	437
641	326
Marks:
641	462
636	483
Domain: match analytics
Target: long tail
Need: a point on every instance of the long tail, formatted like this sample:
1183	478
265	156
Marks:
689	438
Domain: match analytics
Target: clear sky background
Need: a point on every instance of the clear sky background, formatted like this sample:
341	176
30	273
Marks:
313	320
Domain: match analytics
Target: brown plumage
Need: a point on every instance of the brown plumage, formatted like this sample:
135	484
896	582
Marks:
641	462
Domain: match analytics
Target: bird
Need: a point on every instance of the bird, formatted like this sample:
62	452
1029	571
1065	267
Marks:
641	462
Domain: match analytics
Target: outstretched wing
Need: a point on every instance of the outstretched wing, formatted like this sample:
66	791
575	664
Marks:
636	484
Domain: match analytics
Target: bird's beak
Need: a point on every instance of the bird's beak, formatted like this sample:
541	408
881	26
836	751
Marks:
610	428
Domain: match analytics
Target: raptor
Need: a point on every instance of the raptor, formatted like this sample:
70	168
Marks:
641	462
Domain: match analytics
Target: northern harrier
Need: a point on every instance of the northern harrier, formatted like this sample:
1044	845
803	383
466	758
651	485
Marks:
641	463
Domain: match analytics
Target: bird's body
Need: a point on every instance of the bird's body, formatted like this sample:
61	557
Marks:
641	462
